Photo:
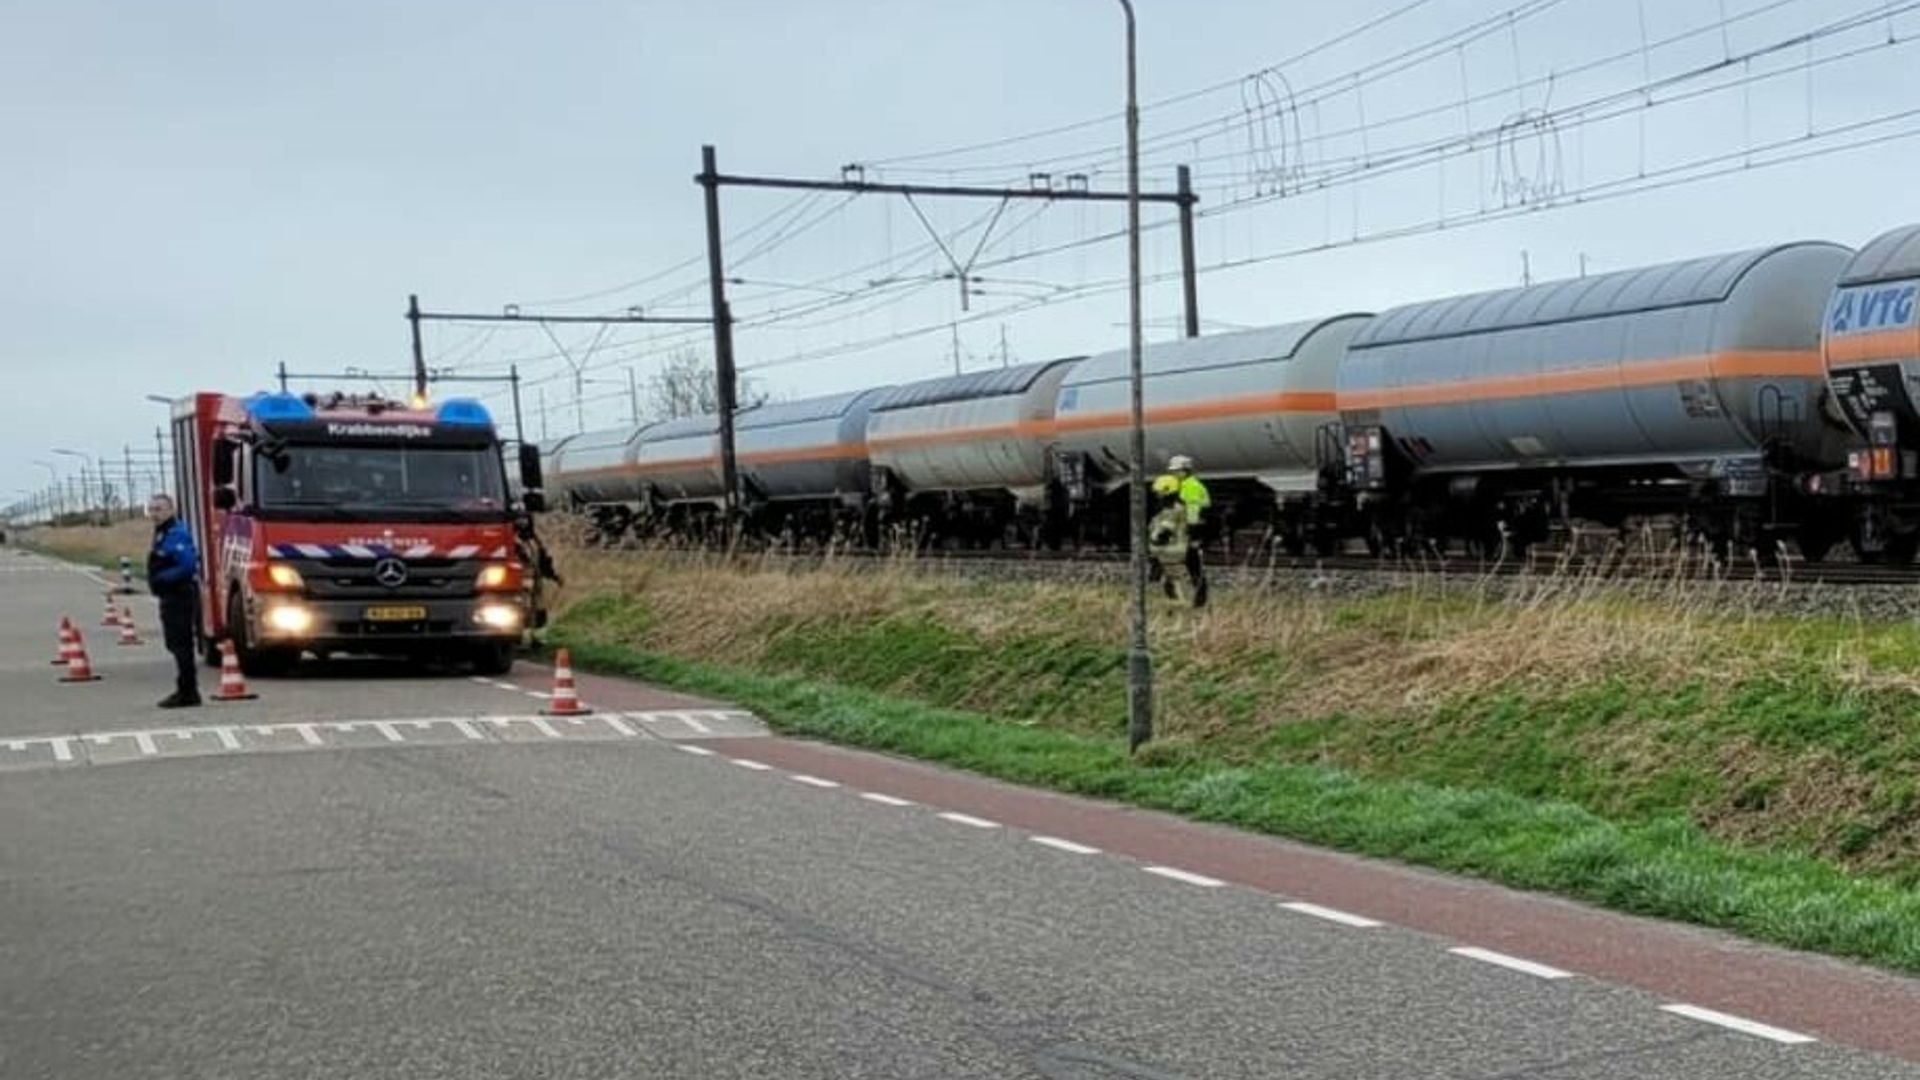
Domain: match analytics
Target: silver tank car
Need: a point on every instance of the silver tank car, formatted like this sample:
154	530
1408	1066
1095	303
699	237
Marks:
1693	366
1871	341
1255	405
591	468
1871	344
796	450
981	431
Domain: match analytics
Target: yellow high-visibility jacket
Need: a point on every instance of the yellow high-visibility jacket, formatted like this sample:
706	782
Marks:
1194	496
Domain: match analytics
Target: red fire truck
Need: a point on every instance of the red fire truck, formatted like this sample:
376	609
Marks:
352	524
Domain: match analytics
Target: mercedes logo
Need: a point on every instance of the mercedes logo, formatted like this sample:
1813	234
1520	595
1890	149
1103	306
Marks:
390	572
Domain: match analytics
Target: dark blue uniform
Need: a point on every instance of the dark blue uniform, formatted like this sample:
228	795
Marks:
173	570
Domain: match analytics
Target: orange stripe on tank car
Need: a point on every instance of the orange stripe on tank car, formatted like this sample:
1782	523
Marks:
1880	345
1211	409
1637	373
1296	401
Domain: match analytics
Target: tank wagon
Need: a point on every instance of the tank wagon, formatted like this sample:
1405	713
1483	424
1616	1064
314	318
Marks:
1691	388
1870	342
965	458
1255	407
1764	396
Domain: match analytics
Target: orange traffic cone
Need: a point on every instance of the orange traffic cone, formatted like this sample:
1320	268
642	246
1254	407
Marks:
68	638
112	617
128	635
79	668
564	701
233	686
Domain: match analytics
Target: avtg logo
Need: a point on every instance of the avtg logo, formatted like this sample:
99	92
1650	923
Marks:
1877	307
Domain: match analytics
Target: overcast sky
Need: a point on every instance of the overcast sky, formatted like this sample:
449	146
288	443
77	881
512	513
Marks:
196	190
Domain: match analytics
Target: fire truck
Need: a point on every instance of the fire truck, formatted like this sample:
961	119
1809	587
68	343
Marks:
355	524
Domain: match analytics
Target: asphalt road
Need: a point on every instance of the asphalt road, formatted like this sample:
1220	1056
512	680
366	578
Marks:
446	888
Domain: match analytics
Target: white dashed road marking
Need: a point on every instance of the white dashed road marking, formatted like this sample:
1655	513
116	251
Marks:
700	751
885	800
813	781
749	763
1064	845
1185	875
1334	915
1735	1023
968	819
1511	963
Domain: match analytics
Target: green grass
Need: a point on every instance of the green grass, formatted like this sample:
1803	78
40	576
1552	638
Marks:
1657	864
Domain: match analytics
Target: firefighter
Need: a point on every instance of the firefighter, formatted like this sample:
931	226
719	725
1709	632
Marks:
173	569
1194	499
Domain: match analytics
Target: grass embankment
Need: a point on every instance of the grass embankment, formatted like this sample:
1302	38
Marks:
1745	772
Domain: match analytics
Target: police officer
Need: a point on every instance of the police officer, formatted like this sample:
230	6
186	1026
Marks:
1194	497
173	569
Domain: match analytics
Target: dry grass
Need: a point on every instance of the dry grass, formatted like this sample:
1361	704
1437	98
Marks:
1654	697
98	544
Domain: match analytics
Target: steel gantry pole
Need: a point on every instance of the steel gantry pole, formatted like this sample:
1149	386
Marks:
1139	654
723	369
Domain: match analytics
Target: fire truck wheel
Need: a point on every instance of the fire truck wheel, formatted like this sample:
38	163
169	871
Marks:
255	663
495	658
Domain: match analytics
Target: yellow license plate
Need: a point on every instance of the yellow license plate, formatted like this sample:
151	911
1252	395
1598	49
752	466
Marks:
396	614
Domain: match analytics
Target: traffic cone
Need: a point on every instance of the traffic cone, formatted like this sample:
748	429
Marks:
79	668
68	637
128	635
233	686
564	701
112	617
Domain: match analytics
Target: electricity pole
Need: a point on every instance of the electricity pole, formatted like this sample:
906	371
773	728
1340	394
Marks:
853	180
1139	654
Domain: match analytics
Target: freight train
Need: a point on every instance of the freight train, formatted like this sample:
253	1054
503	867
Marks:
1757	401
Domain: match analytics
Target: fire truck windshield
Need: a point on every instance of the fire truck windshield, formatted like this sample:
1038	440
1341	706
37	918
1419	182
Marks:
417	483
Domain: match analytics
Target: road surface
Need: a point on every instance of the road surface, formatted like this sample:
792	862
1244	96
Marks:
374	873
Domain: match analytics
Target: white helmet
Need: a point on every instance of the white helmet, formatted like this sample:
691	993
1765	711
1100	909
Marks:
1179	463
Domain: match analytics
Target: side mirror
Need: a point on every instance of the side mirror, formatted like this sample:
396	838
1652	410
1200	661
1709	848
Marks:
222	464
534	501
530	467
224	498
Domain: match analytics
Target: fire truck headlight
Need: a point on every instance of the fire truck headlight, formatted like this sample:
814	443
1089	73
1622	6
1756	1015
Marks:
284	576
498	616
494	576
289	618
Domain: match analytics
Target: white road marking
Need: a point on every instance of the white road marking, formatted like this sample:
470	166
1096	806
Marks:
386	729
748	763
615	723
226	736
699	751
141	739
1735	1023
539	694
1332	915
308	735
968	819
885	800
504	685
1068	846
813	781
465	727
1187	876
62	748
689	720
480	680
1511	963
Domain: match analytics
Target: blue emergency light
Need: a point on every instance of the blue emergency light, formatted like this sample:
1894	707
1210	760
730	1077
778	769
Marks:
267	408
463	411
